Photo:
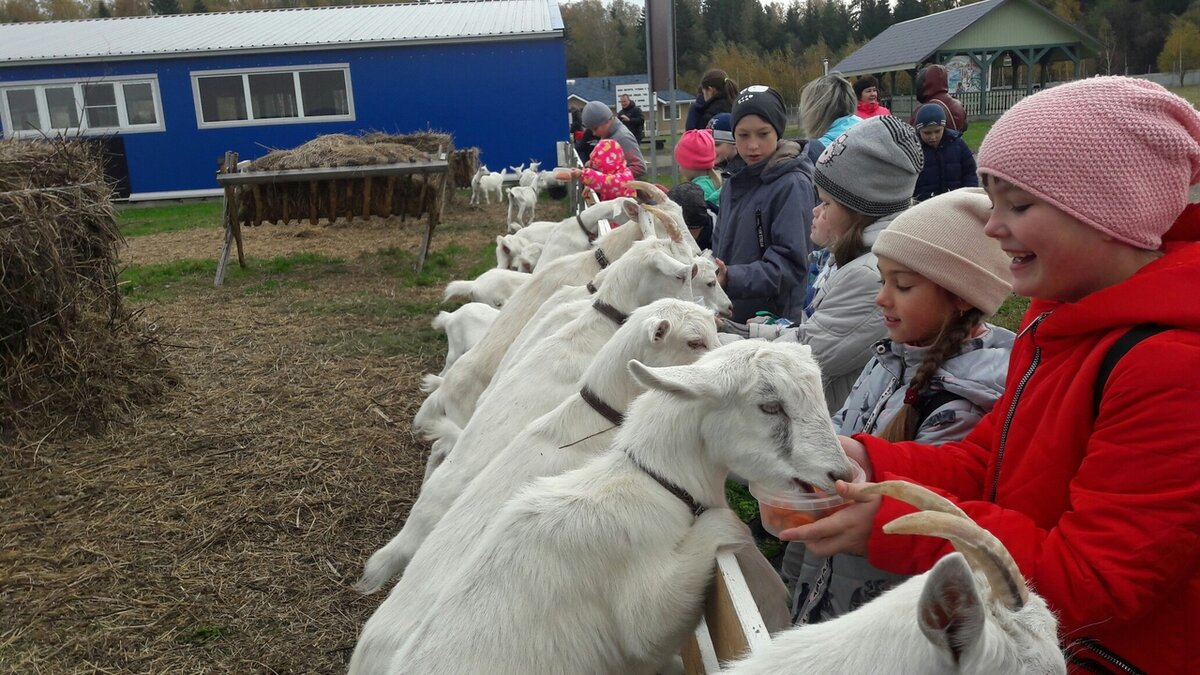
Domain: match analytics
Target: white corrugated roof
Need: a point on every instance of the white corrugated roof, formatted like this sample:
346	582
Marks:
275	30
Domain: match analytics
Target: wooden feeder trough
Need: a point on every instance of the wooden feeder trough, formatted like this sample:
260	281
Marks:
731	626
409	188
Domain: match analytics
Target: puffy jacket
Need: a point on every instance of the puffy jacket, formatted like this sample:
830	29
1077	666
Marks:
867	109
702	111
1101	514
633	150
948	167
770	274
839	127
933	84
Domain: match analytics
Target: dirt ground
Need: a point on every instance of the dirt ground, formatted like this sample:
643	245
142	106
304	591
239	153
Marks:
220	530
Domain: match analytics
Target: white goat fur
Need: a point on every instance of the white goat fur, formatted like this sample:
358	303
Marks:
476	189
494	287
602	570
525	199
493	182
666	332
472	373
542	379
464	328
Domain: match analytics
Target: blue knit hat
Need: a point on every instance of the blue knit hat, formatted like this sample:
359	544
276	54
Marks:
931	114
722	128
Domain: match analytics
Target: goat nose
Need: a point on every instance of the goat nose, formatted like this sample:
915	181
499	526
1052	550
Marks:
840	475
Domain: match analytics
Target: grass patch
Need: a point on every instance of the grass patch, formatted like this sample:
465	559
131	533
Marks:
160	281
1010	313
1191	93
200	634
135	221
441	266
976	130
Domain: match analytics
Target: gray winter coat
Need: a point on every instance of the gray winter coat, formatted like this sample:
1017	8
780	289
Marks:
829	587
766	265
629	145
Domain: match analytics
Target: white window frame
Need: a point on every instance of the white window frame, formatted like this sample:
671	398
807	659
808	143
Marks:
250	121
44	129
666	110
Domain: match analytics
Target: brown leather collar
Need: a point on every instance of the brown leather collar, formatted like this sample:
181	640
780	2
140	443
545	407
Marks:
694	506
590	235
603	409
614	314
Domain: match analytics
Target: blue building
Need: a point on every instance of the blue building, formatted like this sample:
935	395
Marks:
168	95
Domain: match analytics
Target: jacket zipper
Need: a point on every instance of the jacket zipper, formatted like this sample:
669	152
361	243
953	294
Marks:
1093	645
1012	406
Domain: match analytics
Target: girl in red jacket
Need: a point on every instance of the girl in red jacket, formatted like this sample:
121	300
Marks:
1094	487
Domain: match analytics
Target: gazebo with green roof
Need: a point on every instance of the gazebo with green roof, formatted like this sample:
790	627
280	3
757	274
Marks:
998	51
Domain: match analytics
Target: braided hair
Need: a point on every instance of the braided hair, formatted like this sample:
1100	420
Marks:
956	329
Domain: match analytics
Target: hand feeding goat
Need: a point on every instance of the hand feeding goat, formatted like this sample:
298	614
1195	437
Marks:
470	376
948	620
665	333
464	328
603	569
492	182
544	377
524	198
494	287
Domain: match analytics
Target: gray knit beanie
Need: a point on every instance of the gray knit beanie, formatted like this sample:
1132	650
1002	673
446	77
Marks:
942	239
873	167
594	114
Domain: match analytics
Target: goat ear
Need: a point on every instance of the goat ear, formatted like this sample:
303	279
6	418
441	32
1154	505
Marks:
951	611
695	270
660	330
688	382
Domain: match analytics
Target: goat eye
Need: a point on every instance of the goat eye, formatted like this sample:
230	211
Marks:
712	284
697	344
771	408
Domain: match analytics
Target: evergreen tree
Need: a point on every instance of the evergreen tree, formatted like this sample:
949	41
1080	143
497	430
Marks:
102	11
908	9
164	6
198	7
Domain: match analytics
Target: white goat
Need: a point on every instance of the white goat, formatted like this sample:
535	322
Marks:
508	246
494	287
476	188
666	332
603	569
543	378
530	178
526	261
464	328
524	198
472	373
493	182
948	620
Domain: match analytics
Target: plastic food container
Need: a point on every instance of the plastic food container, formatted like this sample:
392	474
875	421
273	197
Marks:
784	507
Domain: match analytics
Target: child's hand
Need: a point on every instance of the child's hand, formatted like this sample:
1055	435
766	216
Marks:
858	452
845	531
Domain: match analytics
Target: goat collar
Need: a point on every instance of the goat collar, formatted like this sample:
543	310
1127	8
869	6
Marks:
694	506
617	316
601	259
591	288
590	235
603	409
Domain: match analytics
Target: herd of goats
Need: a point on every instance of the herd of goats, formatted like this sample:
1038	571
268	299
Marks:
573	503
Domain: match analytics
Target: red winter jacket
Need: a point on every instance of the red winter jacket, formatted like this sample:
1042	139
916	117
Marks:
1102	515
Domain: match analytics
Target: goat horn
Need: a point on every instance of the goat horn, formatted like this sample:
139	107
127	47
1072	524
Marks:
981	548
667	221
919	496
647	190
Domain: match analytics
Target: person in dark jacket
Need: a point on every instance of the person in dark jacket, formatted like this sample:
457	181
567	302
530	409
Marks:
933	85
766	211
949	164
631	116
716	96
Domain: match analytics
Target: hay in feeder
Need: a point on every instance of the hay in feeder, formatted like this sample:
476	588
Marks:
71	356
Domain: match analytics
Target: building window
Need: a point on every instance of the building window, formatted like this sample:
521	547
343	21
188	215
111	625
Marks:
112	105
273	96
666	111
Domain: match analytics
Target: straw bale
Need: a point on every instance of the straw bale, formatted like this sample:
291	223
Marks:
70	355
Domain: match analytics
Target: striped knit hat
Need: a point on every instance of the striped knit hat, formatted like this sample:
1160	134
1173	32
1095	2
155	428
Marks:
873	167
1116	153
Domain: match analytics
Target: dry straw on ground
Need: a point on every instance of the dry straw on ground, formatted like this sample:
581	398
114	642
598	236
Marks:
71	356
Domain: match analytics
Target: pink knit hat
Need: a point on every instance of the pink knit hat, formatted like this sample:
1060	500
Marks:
696	150
1116	153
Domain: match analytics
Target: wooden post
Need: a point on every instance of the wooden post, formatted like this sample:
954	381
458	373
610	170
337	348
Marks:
432	218
258	205
230	220
350	199
387	196
366	212
332	201
313	200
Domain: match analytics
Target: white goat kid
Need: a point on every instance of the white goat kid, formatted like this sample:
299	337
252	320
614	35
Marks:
508	247
494	287
664	333
603	569
464	328
472	374
493	182
476	188
948	620
708	291
527	260
543	378
525	199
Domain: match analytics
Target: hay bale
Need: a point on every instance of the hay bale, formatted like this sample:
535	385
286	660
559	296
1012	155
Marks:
69	351
463	165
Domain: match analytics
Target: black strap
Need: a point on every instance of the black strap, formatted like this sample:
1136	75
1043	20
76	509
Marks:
1118	349
696	507
591	236
605	410
616	315
927	404
601	259
591	288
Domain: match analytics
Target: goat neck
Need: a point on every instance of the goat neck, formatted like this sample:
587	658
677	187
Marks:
617	242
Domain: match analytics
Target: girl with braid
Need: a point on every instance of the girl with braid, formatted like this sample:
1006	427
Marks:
940	369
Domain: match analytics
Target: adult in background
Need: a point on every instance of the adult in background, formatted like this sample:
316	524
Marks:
866	90
949	164
716	96
722	131
599	119
631	116
933	86
766	210
827	108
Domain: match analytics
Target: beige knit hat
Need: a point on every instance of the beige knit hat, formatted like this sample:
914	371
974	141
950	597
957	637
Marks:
942	239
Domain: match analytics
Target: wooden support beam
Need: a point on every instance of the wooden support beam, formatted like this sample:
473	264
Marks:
366	209
389	192
332	201
314	199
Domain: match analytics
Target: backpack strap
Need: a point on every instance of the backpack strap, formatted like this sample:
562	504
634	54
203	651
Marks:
1118	349
926	405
